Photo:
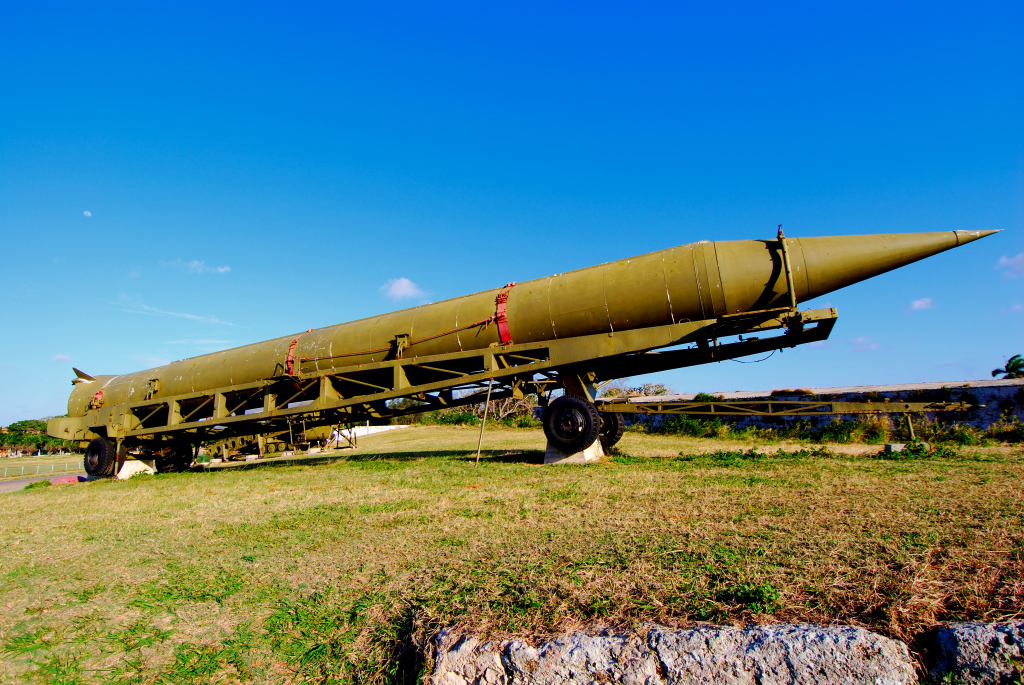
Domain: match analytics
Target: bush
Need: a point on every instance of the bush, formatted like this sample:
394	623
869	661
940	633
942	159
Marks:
705	397
921	450
694	427
520	421
838	431
458	418
1006	430
959	434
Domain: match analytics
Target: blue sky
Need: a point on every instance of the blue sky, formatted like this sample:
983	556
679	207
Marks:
254	170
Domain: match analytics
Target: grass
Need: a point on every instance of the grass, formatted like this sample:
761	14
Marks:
343	571
15	468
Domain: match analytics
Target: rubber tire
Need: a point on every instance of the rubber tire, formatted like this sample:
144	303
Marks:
571	424
612	428
100	457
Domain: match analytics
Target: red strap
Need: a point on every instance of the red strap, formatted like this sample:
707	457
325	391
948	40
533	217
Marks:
501	315
289	361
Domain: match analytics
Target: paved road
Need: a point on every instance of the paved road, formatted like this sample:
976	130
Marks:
12	485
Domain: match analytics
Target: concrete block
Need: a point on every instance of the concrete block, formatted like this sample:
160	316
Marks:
134	467
553	455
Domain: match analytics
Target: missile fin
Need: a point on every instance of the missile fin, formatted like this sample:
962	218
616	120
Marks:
82	374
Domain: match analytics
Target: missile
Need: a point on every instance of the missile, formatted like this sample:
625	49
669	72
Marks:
696	282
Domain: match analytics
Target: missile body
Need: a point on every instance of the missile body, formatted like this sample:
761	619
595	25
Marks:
688	283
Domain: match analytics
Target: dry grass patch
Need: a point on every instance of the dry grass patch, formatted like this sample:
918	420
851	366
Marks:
338	571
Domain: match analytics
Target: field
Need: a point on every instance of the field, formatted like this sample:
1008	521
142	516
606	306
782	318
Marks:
342	570
31	466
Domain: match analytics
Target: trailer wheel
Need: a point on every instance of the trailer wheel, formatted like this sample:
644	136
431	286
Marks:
612	427
100	456
571	424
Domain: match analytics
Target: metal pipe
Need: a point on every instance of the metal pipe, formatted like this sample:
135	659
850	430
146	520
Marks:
487	403
789	268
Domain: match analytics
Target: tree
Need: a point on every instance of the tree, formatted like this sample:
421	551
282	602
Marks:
1014	368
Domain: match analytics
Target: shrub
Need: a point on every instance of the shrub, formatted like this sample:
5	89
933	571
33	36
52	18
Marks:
458	418
1006	430
694	427
520	421
921	450
959	434
838	431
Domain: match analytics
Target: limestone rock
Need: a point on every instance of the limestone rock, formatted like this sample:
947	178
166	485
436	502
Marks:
768	655
468	660
583	658
980	653
799	654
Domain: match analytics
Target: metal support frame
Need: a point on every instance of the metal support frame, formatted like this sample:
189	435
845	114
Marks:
774	408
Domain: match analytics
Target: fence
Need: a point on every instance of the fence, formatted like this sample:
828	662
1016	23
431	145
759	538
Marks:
40	469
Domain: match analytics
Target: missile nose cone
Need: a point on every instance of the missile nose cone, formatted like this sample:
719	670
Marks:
820	265
835	262
963	237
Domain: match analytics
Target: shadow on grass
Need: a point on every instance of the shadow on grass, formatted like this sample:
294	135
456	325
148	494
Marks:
506	457
503	457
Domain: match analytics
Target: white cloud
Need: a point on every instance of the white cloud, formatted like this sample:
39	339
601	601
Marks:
87	213
1012	266
62	358
401	289
197	266
137	308
864	343
923	303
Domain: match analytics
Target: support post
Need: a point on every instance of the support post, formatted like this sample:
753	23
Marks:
173	413
487	403
788	267
120	454
580	386
220	406
401	381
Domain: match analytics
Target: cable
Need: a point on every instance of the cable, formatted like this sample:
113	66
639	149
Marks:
756	361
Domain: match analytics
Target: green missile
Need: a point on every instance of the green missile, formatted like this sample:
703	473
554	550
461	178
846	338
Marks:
692	282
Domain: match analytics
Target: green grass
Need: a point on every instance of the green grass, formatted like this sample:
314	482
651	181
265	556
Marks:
343	570
15	468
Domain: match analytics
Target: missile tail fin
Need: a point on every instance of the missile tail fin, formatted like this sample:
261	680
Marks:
82	374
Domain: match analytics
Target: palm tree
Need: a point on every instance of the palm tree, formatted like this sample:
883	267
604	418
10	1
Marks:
1014	368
